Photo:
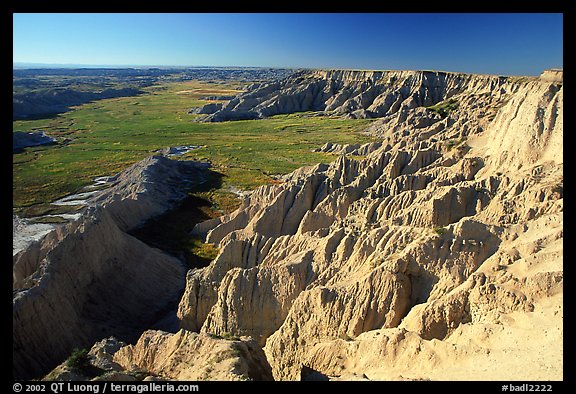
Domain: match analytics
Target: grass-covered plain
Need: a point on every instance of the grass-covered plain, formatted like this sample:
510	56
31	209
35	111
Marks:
106	136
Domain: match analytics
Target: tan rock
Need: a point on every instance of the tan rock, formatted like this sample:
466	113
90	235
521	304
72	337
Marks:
90	279
432	237
190	356
436	257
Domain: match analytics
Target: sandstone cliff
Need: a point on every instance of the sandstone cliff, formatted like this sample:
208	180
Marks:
438	246
436	256
190	356
160	355
356	94
90	279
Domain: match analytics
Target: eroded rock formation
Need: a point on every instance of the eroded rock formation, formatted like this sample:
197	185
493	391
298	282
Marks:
453	226
187	355
90	279
356	94
160	355
436	256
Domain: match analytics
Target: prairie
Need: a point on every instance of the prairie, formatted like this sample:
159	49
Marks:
102	138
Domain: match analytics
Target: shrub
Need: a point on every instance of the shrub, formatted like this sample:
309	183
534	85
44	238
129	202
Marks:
139	374
444	108
78	360
460	143
230	337
227	336
345	337
439	230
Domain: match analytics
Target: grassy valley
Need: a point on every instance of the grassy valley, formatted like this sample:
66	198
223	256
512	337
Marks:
104	137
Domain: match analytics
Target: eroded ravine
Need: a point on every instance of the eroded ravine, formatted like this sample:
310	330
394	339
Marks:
408	238
90	279
440	245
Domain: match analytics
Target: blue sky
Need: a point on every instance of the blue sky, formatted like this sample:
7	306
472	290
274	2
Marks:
507	44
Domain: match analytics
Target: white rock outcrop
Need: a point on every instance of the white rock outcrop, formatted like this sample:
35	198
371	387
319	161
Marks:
90	279
353	93
436	256
190	356
451	227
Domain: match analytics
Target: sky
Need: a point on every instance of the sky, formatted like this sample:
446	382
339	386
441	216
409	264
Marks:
502	44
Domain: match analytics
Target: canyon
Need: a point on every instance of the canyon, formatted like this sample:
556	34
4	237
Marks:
435	253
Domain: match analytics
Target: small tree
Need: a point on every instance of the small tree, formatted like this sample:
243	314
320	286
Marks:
78	360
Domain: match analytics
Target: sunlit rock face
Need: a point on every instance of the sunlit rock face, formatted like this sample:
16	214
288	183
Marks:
435	253
451	226
90	279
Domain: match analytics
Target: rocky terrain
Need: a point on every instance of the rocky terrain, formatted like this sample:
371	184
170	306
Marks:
350	93
89	279
159	355
43	92
443	244
435	254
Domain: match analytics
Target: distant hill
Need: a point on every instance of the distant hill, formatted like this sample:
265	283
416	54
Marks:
44	91
47	102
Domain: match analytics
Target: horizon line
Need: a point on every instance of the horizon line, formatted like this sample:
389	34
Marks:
83	65
33	66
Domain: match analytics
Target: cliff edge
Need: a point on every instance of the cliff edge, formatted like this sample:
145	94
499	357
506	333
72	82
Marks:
437	256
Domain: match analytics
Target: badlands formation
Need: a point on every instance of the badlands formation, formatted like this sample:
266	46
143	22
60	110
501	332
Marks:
433	254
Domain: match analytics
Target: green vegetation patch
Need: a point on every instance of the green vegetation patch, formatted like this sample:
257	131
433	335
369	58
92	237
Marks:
107	136
171	232
227	336
78	359
79	362
440	230
49	209
50	220
444	108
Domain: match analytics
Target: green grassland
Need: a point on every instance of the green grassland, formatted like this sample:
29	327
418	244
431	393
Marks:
444	108
106	136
